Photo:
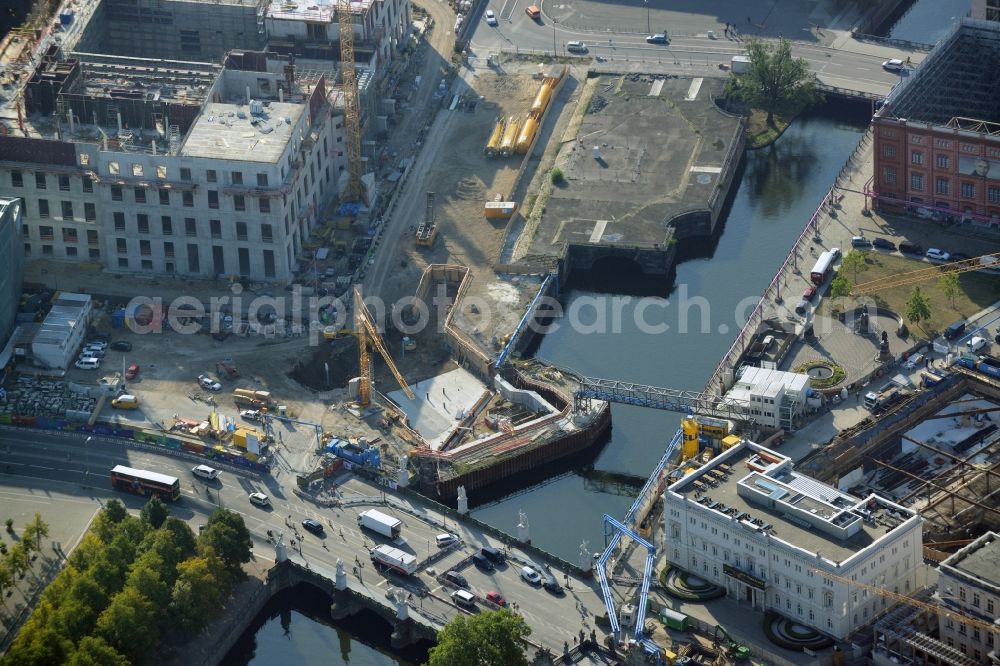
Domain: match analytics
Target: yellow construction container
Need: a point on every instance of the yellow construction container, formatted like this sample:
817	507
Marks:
240	436
501	210
689	442
509	137
527	134
542	98
730	441
494	142
714	428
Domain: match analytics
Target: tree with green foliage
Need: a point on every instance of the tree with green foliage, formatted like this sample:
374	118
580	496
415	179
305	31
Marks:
198	592
155	512
39	647
78	612
18	559
35	531
918	308
773	80
95	651
947	284
6	581
229	537
840	287
855	262
145	576
489	638
129	625
115	511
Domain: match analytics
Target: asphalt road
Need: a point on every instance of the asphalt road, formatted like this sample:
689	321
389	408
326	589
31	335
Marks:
856	67
44	463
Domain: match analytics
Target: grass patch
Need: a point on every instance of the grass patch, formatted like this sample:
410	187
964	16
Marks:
760	134
976	291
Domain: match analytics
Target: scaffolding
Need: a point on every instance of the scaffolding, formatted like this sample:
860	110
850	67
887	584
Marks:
959	80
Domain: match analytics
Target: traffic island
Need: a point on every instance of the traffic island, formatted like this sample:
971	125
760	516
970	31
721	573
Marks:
687	587
791	635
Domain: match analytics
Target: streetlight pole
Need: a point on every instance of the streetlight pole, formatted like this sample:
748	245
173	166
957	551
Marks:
649	26
86	450
553	40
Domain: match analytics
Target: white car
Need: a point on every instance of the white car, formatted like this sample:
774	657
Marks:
208	383
205	472
260	499
88	363
576	47
976	343
250	415
491	17
894	65
935	254
530	576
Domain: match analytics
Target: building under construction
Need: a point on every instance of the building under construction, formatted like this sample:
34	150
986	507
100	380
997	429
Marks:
938	452
937	134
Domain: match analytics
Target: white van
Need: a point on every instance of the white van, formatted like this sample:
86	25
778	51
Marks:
445	540
576	47
464	598
88	363
205	472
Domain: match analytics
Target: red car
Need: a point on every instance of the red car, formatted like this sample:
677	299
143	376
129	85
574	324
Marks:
132	372
808	293
496	598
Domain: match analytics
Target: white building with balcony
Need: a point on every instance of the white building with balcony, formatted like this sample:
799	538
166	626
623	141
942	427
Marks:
777	540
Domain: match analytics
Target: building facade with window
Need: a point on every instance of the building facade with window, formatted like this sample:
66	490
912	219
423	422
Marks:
11	269
985	9
209	171
969	584
937	134
779	541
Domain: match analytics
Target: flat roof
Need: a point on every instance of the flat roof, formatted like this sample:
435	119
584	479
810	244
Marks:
816	497
230	132
66	313
312	10
980	559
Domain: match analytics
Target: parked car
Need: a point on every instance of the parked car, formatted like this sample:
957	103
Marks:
482	562
205	472
491	17
208	383
884	244
97	344
260	499
533	11
954	330
495	597
313	526
125	401
976	343
88	363
893	65
464	598
530	576
493	554
959	256
250	415
934	254
860	241
808	294
658	38
456	578
443	540
911	248
132	372
121	345
802	307
835	251
552	585
96	352
576	47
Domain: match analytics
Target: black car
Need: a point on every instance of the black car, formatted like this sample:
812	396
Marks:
313	526
552	585
883	244
911	248
494	555
959	256
121	345
480	561
456	578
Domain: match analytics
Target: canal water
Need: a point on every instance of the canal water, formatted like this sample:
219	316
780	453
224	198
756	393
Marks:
924	21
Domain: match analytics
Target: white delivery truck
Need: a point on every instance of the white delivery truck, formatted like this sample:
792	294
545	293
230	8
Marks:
740	64
394	558
381	523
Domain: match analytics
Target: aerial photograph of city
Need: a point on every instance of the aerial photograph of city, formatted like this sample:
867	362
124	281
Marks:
495	333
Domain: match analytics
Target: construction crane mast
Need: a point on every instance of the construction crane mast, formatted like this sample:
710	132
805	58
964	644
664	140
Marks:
352	110
367	332
934	609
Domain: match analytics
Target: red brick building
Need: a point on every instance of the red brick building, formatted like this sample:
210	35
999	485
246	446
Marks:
937	136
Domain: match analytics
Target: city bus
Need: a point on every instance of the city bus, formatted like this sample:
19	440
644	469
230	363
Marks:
822	268
141	482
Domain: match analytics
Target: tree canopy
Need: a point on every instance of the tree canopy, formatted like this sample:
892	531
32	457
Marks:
918	308
489	638
774	79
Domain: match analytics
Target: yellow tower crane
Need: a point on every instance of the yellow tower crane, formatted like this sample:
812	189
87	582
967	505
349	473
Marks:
926	274
935	609
367	332
352	110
